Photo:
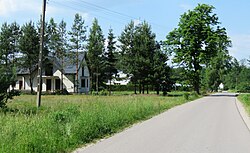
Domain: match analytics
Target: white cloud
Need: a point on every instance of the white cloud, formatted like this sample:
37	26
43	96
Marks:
241	46
7	7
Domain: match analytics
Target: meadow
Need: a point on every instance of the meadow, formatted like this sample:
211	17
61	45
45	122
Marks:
64	123
245	99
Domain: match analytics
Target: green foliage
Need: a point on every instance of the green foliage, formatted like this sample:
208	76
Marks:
95	56
245	99
110	58
8	47
29	47
65	123
104	93
142	57
5	81
77	43
238	77
186	96
53	36
77	34
197	39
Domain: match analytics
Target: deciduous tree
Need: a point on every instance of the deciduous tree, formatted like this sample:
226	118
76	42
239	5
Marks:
195	41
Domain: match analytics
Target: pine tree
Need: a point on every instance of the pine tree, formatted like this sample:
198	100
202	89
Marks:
29	47
128	53
62	46
53	36
95	56
137	51
77	40
14	39
110	59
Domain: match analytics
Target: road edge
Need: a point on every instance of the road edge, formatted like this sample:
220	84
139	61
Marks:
243	113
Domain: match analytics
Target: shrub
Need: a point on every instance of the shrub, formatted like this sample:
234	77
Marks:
104	92
186	96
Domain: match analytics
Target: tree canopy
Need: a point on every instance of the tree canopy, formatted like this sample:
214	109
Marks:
196	41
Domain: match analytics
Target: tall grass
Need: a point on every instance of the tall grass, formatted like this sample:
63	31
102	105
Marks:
64	123
245	99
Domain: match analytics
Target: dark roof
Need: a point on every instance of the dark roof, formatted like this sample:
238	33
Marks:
69	66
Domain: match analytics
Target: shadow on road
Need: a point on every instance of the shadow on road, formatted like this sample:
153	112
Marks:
224	95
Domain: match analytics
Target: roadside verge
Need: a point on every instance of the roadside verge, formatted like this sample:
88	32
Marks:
243	113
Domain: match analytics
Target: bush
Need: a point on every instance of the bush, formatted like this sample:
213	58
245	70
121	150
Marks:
104	92
62	92
186	96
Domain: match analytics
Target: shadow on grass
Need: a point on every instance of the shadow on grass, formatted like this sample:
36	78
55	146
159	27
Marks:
14	111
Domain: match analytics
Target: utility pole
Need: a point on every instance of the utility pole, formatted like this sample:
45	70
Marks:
39	85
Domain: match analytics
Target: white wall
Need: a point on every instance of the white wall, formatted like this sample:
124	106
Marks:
67	80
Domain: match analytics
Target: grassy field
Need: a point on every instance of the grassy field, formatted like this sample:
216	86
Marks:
64	123
245	99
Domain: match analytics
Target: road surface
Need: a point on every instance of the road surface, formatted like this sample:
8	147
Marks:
208	125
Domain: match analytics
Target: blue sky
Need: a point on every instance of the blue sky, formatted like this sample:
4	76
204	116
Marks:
162	15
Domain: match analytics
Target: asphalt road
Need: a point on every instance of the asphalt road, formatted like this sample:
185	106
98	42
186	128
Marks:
208	125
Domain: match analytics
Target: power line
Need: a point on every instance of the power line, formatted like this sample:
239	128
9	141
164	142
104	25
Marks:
84	3
75	7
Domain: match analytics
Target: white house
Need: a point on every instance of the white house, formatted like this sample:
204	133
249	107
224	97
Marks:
52	77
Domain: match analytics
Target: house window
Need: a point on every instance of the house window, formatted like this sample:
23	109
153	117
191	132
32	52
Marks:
83	83
83	71
49	70
87	83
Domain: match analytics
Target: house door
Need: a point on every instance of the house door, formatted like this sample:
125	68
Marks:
57	84
48	84
20	85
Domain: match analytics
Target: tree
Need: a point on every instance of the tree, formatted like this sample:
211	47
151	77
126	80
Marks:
14	39
137	51
6	44
216	71
128	53
110	59
77	40
53	36
7	67
194	42
161	71
62	46
95	54
145	47
29	47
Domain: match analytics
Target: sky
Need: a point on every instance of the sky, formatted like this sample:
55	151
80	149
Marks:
162	15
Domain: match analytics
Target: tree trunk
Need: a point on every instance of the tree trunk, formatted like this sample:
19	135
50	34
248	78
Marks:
196	79
140	87
135	88
143	88
76	71
147	90
110	85
31	85
62	73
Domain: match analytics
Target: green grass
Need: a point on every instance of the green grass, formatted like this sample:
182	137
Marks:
245	99
64	123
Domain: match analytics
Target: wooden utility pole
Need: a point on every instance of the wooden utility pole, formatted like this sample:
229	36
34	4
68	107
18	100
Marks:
39	85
